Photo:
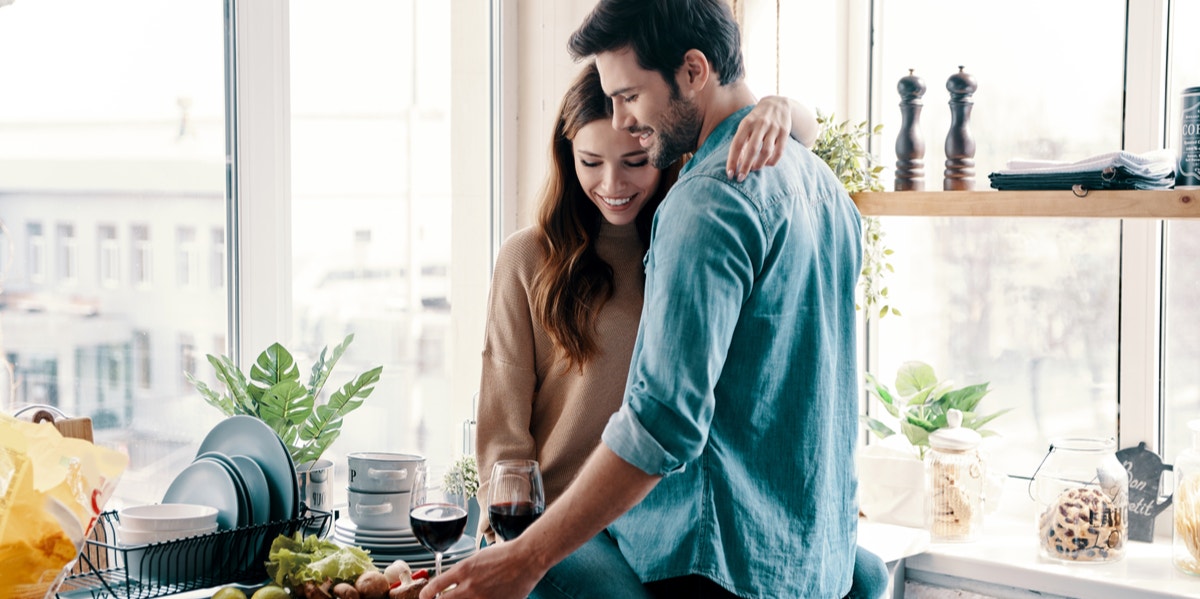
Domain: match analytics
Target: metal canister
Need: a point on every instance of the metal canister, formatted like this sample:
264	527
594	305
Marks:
1187	175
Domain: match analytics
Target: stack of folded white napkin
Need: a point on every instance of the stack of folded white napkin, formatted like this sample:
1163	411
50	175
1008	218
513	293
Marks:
1114	170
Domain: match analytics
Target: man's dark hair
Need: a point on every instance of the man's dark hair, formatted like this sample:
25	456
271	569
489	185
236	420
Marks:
660	32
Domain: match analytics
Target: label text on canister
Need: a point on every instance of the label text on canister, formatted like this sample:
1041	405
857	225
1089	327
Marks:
1188	172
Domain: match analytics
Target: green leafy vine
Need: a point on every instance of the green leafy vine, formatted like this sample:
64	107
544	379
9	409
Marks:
843	147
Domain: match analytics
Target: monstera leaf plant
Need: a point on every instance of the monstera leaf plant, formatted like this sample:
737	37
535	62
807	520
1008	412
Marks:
274	393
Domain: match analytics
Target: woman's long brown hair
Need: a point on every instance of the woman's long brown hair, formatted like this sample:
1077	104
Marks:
573	282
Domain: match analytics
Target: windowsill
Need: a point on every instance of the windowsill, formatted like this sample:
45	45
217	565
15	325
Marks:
1007	556
1005	560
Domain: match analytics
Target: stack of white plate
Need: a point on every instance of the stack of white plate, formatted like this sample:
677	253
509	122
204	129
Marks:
387	546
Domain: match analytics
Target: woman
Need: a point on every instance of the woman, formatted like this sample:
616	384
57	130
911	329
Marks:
566	299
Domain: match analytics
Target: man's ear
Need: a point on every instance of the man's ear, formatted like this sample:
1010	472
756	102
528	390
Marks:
695	71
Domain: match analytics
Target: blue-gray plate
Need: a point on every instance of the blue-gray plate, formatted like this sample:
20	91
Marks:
248	436
207	482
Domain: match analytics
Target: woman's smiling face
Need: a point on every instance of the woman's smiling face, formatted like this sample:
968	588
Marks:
614	171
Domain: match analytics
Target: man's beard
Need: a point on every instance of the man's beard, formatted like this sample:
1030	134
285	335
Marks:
678	133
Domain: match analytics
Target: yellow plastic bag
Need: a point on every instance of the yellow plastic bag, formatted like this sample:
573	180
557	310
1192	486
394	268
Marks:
52	489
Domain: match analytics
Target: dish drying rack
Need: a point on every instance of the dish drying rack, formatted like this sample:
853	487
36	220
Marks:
169	567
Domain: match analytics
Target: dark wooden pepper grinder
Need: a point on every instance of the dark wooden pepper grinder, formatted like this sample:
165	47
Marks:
960	146
910	144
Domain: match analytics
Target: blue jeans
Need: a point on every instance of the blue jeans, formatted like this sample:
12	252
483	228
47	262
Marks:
597	570
870	576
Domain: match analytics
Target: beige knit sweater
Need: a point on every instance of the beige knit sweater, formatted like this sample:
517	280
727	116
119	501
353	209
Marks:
529	407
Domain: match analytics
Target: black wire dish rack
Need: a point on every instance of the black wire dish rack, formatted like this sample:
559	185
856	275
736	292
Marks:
238	556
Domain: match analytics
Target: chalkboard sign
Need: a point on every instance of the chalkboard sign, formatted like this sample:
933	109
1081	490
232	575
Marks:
1145	474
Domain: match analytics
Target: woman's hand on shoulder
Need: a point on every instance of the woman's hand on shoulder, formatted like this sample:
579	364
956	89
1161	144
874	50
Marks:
762	136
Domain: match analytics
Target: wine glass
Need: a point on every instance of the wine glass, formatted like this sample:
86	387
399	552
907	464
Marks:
516	497
437	521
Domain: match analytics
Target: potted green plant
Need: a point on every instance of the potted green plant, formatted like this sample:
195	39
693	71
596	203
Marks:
843	147
306	423
921	403
462	478
892	475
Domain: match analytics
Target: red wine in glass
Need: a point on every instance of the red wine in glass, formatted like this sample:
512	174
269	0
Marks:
436	522
510	519
438	526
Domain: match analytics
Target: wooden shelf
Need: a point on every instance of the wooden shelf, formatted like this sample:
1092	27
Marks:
1169	204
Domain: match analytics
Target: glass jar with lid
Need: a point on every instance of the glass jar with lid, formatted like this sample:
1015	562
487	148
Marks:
1081	494
954	482
1186	552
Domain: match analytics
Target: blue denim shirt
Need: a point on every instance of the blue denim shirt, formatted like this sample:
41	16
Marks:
742	389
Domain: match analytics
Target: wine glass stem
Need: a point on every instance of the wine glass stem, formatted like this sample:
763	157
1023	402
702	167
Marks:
437	561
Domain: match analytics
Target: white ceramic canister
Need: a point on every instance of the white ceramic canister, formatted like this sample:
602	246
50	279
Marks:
382	472
379	511
954	482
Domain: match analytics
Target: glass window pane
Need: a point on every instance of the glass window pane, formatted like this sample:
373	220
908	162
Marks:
371	215
1181	344
1181	288
1027	305
100	164
1024	107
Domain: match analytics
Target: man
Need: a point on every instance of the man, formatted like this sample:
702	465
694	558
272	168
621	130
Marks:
739	422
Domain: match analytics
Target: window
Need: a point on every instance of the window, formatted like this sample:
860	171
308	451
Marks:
1181	284
373	148
216	259
142	266
187	359
35	248
67	253
1030	306
122	146
187	256
1053	336
109	256
142	360
358	259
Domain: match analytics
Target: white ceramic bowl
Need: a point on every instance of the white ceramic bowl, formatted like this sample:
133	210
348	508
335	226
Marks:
167	516
382	472
127	536
379	511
